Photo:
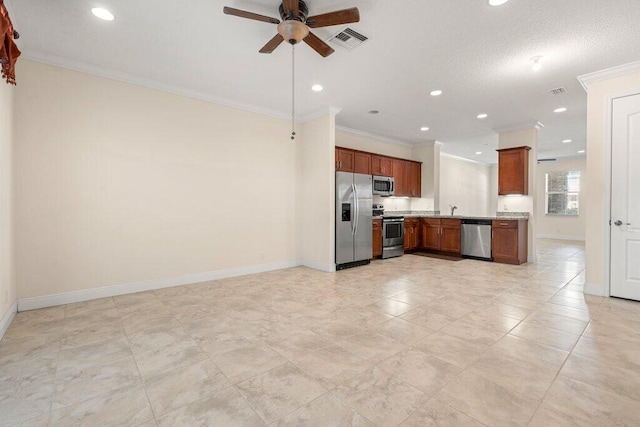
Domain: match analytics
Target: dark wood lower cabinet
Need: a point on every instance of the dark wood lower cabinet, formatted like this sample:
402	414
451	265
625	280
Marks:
450	236
509	242
509	238
430	234
441	234
411	234
377	238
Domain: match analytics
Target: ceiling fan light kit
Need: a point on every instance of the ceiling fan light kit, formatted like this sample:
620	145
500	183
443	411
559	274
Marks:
293	31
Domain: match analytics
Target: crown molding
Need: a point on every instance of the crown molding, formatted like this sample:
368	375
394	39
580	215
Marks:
609	73
374	136
326	111
451	156
83	67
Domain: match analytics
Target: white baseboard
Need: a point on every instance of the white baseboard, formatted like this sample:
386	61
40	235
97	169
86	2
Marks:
329	268
8	318
598	290
560	237
148	285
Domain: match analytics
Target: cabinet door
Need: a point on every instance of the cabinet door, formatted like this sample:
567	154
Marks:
399	177
381	165
430	234
416	180
362	163
504	245
513	171
414	236
377	237
450	236
345	160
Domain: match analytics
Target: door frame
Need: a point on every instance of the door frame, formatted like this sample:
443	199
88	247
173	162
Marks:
608	169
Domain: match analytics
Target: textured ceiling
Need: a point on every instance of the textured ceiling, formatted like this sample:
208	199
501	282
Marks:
477	54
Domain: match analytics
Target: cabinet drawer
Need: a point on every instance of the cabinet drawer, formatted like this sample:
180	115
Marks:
377	223
451	222
504	224
410	221
431	221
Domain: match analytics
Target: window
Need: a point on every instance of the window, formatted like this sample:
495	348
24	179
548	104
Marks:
562	191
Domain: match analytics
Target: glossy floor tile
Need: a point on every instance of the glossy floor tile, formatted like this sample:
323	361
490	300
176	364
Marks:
409	341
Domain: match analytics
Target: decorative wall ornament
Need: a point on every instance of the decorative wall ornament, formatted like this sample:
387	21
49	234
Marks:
9	51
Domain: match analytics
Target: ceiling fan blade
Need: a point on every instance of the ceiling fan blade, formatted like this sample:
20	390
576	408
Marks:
338	17
292	6
272	44
318	45
249	15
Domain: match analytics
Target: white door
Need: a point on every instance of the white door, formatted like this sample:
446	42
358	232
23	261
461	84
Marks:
625	198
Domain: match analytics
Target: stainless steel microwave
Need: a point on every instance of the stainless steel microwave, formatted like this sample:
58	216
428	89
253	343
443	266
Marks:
383	186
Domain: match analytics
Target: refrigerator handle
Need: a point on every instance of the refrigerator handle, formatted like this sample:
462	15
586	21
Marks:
357	210
354	213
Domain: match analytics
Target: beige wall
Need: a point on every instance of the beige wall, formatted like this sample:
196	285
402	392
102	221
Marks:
316	156
466	185
562	227
597	218
7	283
117	184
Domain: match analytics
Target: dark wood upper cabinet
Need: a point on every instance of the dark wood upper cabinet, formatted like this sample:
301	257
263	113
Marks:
345	160
362	163
513	171
407	174
399	177
381	165
413	179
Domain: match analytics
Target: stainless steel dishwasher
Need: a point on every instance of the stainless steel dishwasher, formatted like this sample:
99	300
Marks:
476	239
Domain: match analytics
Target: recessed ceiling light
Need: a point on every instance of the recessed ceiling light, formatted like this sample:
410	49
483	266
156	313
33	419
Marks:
317	88
478	152
482	116
497	2
536	63
566	141
374	112
424	128
103	14
435	93
581	152
560	110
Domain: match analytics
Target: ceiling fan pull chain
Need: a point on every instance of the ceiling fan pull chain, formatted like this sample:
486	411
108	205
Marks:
293	91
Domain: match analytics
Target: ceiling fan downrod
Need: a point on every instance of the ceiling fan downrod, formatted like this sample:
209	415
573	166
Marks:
293	91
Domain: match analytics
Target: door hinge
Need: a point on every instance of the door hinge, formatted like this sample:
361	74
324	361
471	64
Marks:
609	223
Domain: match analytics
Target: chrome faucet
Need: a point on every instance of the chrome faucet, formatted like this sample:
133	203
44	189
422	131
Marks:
453	208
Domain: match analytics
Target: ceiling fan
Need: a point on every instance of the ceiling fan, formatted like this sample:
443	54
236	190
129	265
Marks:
296	23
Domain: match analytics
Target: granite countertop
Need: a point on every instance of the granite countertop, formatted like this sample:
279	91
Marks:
499	215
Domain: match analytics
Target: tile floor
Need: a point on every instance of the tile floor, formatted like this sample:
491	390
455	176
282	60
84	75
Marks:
411	341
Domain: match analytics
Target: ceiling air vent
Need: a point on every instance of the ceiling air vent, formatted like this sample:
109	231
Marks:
348	39
558	91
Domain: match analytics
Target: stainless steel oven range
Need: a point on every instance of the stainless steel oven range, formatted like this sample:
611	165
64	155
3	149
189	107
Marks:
392	236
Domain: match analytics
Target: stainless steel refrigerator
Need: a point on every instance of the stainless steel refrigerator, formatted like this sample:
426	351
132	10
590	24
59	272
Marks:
354	204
